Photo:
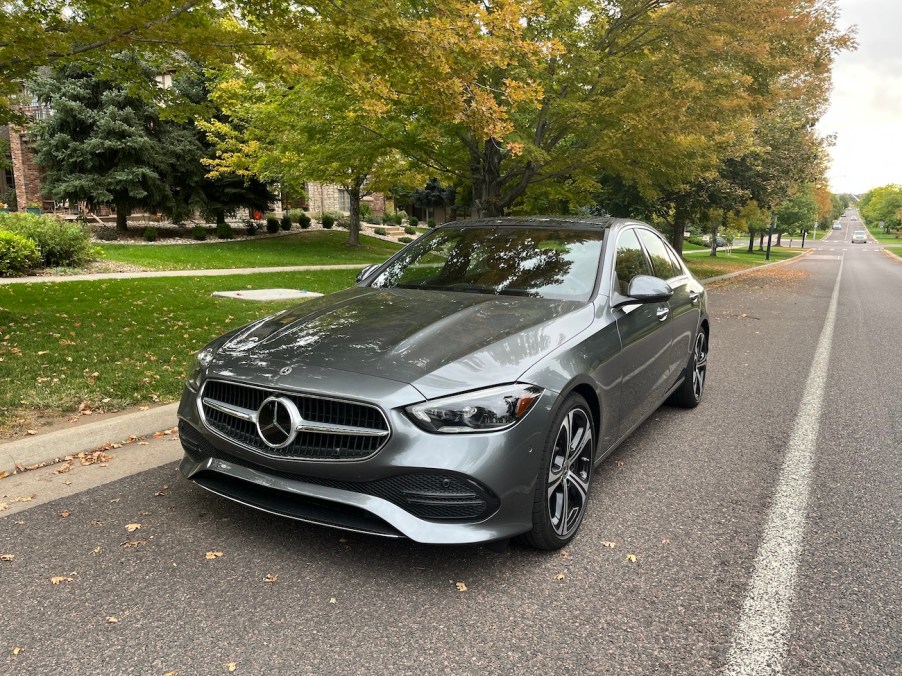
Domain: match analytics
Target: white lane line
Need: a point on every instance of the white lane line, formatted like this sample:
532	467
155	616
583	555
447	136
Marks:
761	638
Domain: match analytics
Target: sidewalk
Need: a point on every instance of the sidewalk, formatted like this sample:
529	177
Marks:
176	273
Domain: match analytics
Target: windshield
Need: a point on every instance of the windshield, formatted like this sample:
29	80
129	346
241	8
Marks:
522	261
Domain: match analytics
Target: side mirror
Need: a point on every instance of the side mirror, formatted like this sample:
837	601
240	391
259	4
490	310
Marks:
643	289
363	274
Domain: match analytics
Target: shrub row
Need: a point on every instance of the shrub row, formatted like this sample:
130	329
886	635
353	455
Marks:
58	243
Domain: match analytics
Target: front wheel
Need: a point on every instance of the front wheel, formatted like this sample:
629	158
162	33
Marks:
562	487
689	393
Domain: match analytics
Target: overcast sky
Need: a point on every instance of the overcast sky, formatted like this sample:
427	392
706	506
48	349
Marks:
866	106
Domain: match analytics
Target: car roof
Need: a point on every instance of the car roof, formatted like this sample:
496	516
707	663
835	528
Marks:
601	222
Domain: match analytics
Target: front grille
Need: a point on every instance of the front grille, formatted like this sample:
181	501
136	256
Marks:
349	430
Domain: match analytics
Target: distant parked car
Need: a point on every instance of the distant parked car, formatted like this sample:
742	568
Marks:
837	226
859	236
853	218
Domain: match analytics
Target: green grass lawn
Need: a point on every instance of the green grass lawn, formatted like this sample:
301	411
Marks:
318	247
887	240
115	343
740	259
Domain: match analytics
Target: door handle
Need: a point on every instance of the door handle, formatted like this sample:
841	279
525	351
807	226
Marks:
663	311
693	297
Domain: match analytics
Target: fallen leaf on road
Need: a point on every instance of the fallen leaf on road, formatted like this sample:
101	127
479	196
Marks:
17	650
65	467
3	506
30	432
559	577
332	600
665	541
59	579
609	545
461	587
25	499
65	514
631	558
168	673
162	491
7	557
132	527
4	474
112	619
209	556
96	551
270	578
565	554
231	666
131	544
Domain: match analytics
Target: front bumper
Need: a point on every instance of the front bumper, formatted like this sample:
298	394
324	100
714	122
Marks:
393	493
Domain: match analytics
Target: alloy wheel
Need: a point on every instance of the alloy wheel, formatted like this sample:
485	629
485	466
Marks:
569	473
701	365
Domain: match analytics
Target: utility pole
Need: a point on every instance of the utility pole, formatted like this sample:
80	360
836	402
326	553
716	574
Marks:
770	235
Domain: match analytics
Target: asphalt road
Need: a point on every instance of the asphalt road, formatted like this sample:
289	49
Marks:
689	495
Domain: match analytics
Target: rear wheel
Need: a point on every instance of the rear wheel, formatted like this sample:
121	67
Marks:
562	488
689	393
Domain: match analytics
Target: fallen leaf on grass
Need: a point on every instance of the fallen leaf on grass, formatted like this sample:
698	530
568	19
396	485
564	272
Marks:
60	578
631	558
461	587
7	557
270	578
209	556
132	527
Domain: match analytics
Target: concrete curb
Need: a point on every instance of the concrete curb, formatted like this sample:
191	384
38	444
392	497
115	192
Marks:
747	271
47	447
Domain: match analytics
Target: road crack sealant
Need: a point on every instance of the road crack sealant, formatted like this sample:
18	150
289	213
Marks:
760	641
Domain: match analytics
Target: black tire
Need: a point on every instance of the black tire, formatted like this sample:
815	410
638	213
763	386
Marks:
689	393
565	476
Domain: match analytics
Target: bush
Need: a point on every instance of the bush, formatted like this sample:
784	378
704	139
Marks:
405	240
413	221
107	234
286	222
398	217
372	220
365	212
304	221
294	215
199	233
250	227
343	222
150	234
431	222
272	223
410	231
380	231
224	231
18	254
59	243
328	220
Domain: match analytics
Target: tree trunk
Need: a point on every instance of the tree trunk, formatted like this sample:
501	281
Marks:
714	229
779	239
761	241
122	217
355	190
680	218
485	168
751	241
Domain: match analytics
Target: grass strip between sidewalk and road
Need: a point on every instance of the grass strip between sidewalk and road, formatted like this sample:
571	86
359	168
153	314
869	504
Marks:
724	263
318	247
110	344
887	240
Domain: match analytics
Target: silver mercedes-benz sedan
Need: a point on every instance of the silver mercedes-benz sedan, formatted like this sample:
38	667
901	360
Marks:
464	391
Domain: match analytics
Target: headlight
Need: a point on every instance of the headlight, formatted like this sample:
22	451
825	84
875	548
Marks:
488	410
204	357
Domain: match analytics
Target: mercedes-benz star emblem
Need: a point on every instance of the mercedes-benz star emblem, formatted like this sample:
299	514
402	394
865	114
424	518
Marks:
285	371
277	421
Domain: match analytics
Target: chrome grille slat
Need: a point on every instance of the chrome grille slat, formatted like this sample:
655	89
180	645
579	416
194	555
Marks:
332	429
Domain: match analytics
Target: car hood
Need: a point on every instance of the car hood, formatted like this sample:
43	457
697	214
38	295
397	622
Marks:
439	342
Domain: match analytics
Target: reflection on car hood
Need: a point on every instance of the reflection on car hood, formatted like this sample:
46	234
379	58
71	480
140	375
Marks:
437	341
